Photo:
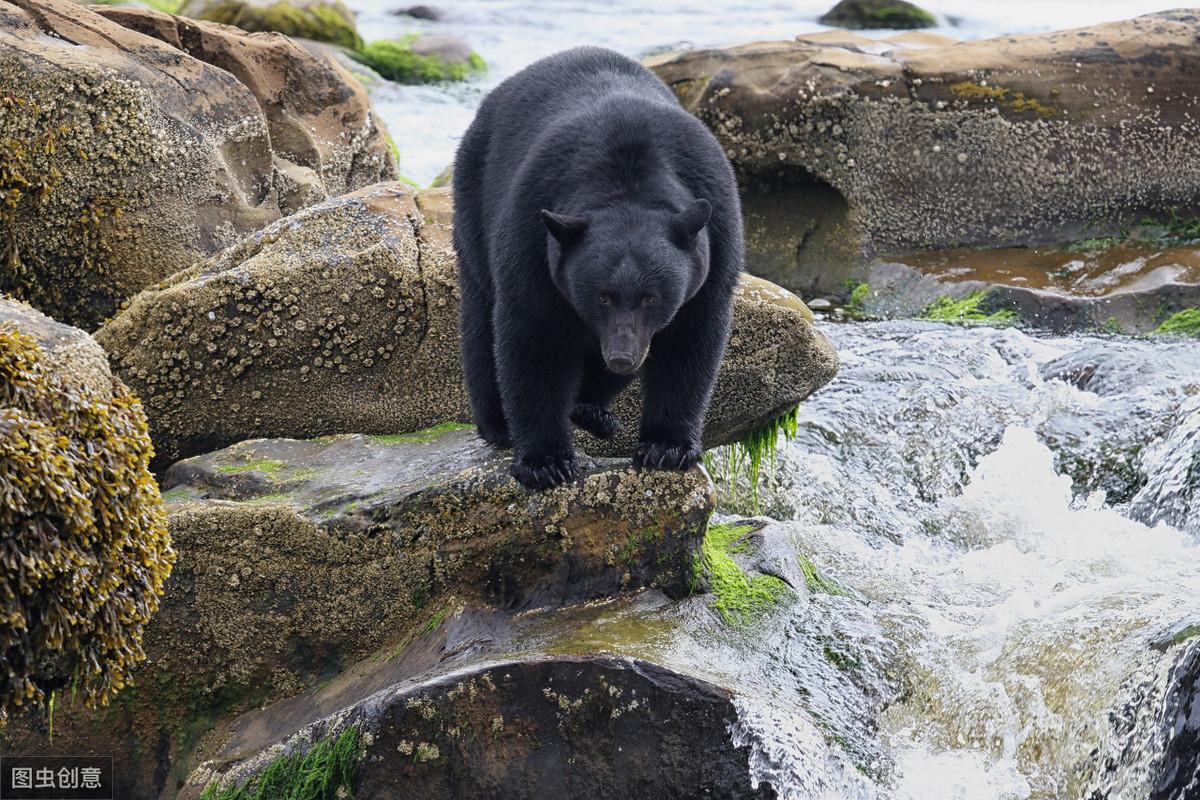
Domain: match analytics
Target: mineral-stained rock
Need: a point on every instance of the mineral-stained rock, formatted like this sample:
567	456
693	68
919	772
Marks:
851	148
298	559
126	157
344	318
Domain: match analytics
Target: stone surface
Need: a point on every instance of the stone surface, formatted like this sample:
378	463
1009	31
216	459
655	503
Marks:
127	158
68	353
322	20
877	14
299	559
562	727
848	149
344	318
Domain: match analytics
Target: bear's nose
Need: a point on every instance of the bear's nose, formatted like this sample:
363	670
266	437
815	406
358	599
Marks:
621	363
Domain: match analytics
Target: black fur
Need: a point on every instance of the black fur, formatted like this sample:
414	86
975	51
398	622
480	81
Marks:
599	234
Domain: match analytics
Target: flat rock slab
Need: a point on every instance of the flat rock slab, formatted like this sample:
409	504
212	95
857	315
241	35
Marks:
561	727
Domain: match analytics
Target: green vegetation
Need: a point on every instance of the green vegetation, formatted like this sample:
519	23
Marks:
1175	231
268	466
894	14
746	458
321	21
397	61
1182	323
325	772
166	6
968	310
738	598
84	548
816	581
423	436
858	292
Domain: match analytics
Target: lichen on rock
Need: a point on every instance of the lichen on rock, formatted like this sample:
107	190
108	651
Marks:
84	548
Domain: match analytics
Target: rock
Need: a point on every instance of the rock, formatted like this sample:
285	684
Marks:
300	560
626	727
322	20
431	13
189	156
85	549
420	58
820	304
344	318
878	14
444	178
846	151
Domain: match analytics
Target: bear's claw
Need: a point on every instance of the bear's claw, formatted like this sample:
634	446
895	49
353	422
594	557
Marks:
658	455
544	472
495	437
599	422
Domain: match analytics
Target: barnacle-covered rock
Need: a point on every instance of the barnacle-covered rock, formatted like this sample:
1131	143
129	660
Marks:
344	319
84	548
848	145
133	143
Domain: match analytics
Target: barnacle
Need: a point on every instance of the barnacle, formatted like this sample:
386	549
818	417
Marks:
84	548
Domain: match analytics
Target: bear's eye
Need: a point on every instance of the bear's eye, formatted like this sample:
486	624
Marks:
605	299
649	300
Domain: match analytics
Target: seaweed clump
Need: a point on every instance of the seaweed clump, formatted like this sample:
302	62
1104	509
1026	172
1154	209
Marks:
739	598
968	310
1182	323
325	772
329	22
84	548
894	14
396	60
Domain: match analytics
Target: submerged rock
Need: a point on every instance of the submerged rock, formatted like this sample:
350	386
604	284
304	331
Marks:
130	156
344	318
321	20
859	147
877	14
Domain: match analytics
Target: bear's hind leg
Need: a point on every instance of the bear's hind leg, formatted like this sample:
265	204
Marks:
597	389
479	367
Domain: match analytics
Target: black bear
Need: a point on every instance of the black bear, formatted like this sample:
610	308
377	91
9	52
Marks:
599	235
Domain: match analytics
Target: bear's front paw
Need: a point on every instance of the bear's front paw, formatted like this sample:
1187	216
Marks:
544	472
597	421
660	455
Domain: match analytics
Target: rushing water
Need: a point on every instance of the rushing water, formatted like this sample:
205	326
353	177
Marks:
427	121
996	614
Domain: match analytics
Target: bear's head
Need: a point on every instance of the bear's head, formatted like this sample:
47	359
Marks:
627	271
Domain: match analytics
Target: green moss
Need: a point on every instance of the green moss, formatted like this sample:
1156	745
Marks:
424	436
84	548
322	22
858	296
267	466
738	598
325	772
434	623
397	61
967	310
1182	323
166	6
894	14
815	580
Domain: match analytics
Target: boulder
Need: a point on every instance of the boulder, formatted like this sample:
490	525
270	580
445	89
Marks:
84	549
430	13
421	58
877	14
344	318
125	158
321	20
847	149
299	560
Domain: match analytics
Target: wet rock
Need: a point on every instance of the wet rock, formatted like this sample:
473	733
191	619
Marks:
852	149
134	151
421	58
431	13
321	20
344	318
303	560
877	14
564	727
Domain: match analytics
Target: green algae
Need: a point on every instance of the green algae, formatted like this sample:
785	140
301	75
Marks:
870	14
1182	323
396	60
166	6
737	597
318	21
746	459
325	772
423	436
967	310
267	466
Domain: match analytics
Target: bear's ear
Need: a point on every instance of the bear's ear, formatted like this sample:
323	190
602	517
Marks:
565	229
686	224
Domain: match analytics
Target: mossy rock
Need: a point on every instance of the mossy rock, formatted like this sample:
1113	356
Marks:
421	59
863	14
320	20
84	549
